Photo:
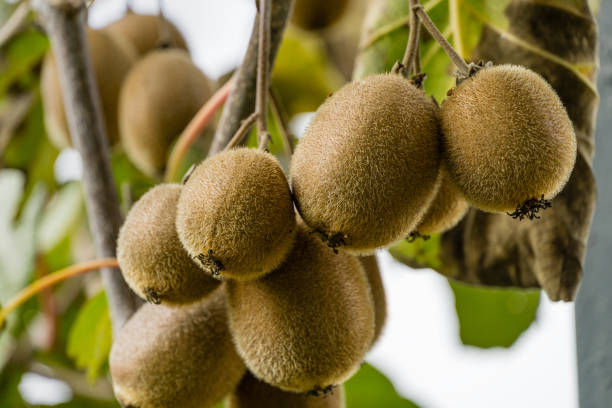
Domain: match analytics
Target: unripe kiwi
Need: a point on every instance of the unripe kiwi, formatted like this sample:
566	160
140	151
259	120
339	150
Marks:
252	393
160	95
151	257
144	32
366	169
307	325
445	211
176	356
370	266
110	63
507	138
235	214
317	14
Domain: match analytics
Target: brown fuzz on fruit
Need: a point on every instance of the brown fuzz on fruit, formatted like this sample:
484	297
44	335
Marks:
507	139
365	171
161	94
235	215
445	211
111	64
151	257
252	393
317	14
145	32
307	325
370	266
176	356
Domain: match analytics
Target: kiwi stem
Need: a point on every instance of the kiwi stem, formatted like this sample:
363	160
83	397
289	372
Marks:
50	280
412	47
242	131
263	74
193	130
281	121
464	69
241	101
15	22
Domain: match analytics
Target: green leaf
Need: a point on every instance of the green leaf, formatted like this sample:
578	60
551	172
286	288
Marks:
370	388
493	317
303	75
460	21
24	52
60	217
17	244
130	182
420	253
90	337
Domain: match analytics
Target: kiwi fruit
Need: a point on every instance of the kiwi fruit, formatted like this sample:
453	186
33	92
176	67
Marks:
252	393
145	32
317	14
235	214
176	356
151	257
507	138
306	326
370	266
160	96
111	64
445	211
365	170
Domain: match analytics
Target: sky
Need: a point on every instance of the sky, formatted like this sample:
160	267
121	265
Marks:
419	350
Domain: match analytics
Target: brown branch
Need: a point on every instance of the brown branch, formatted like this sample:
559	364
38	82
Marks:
241	102
412	47
242	131
64	22
15	23
263	74
464	69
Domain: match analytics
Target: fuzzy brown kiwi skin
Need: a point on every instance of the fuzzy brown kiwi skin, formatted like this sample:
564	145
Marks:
176	356
143	31
315	315
252	393
317	14
507	138
365	171
111	64
161	94
235	214
370	266
445	211
151	257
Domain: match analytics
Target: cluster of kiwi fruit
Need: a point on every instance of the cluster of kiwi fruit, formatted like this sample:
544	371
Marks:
264	289
381	161
148	86
226	264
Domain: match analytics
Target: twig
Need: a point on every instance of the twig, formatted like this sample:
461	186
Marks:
412	47
263	75
464	69
242	131
241	102
193	130
64	21
281	122
50	280
15	23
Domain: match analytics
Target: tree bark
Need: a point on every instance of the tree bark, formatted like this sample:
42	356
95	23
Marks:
64	21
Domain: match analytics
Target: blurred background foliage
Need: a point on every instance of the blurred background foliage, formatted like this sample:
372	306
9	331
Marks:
65	332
